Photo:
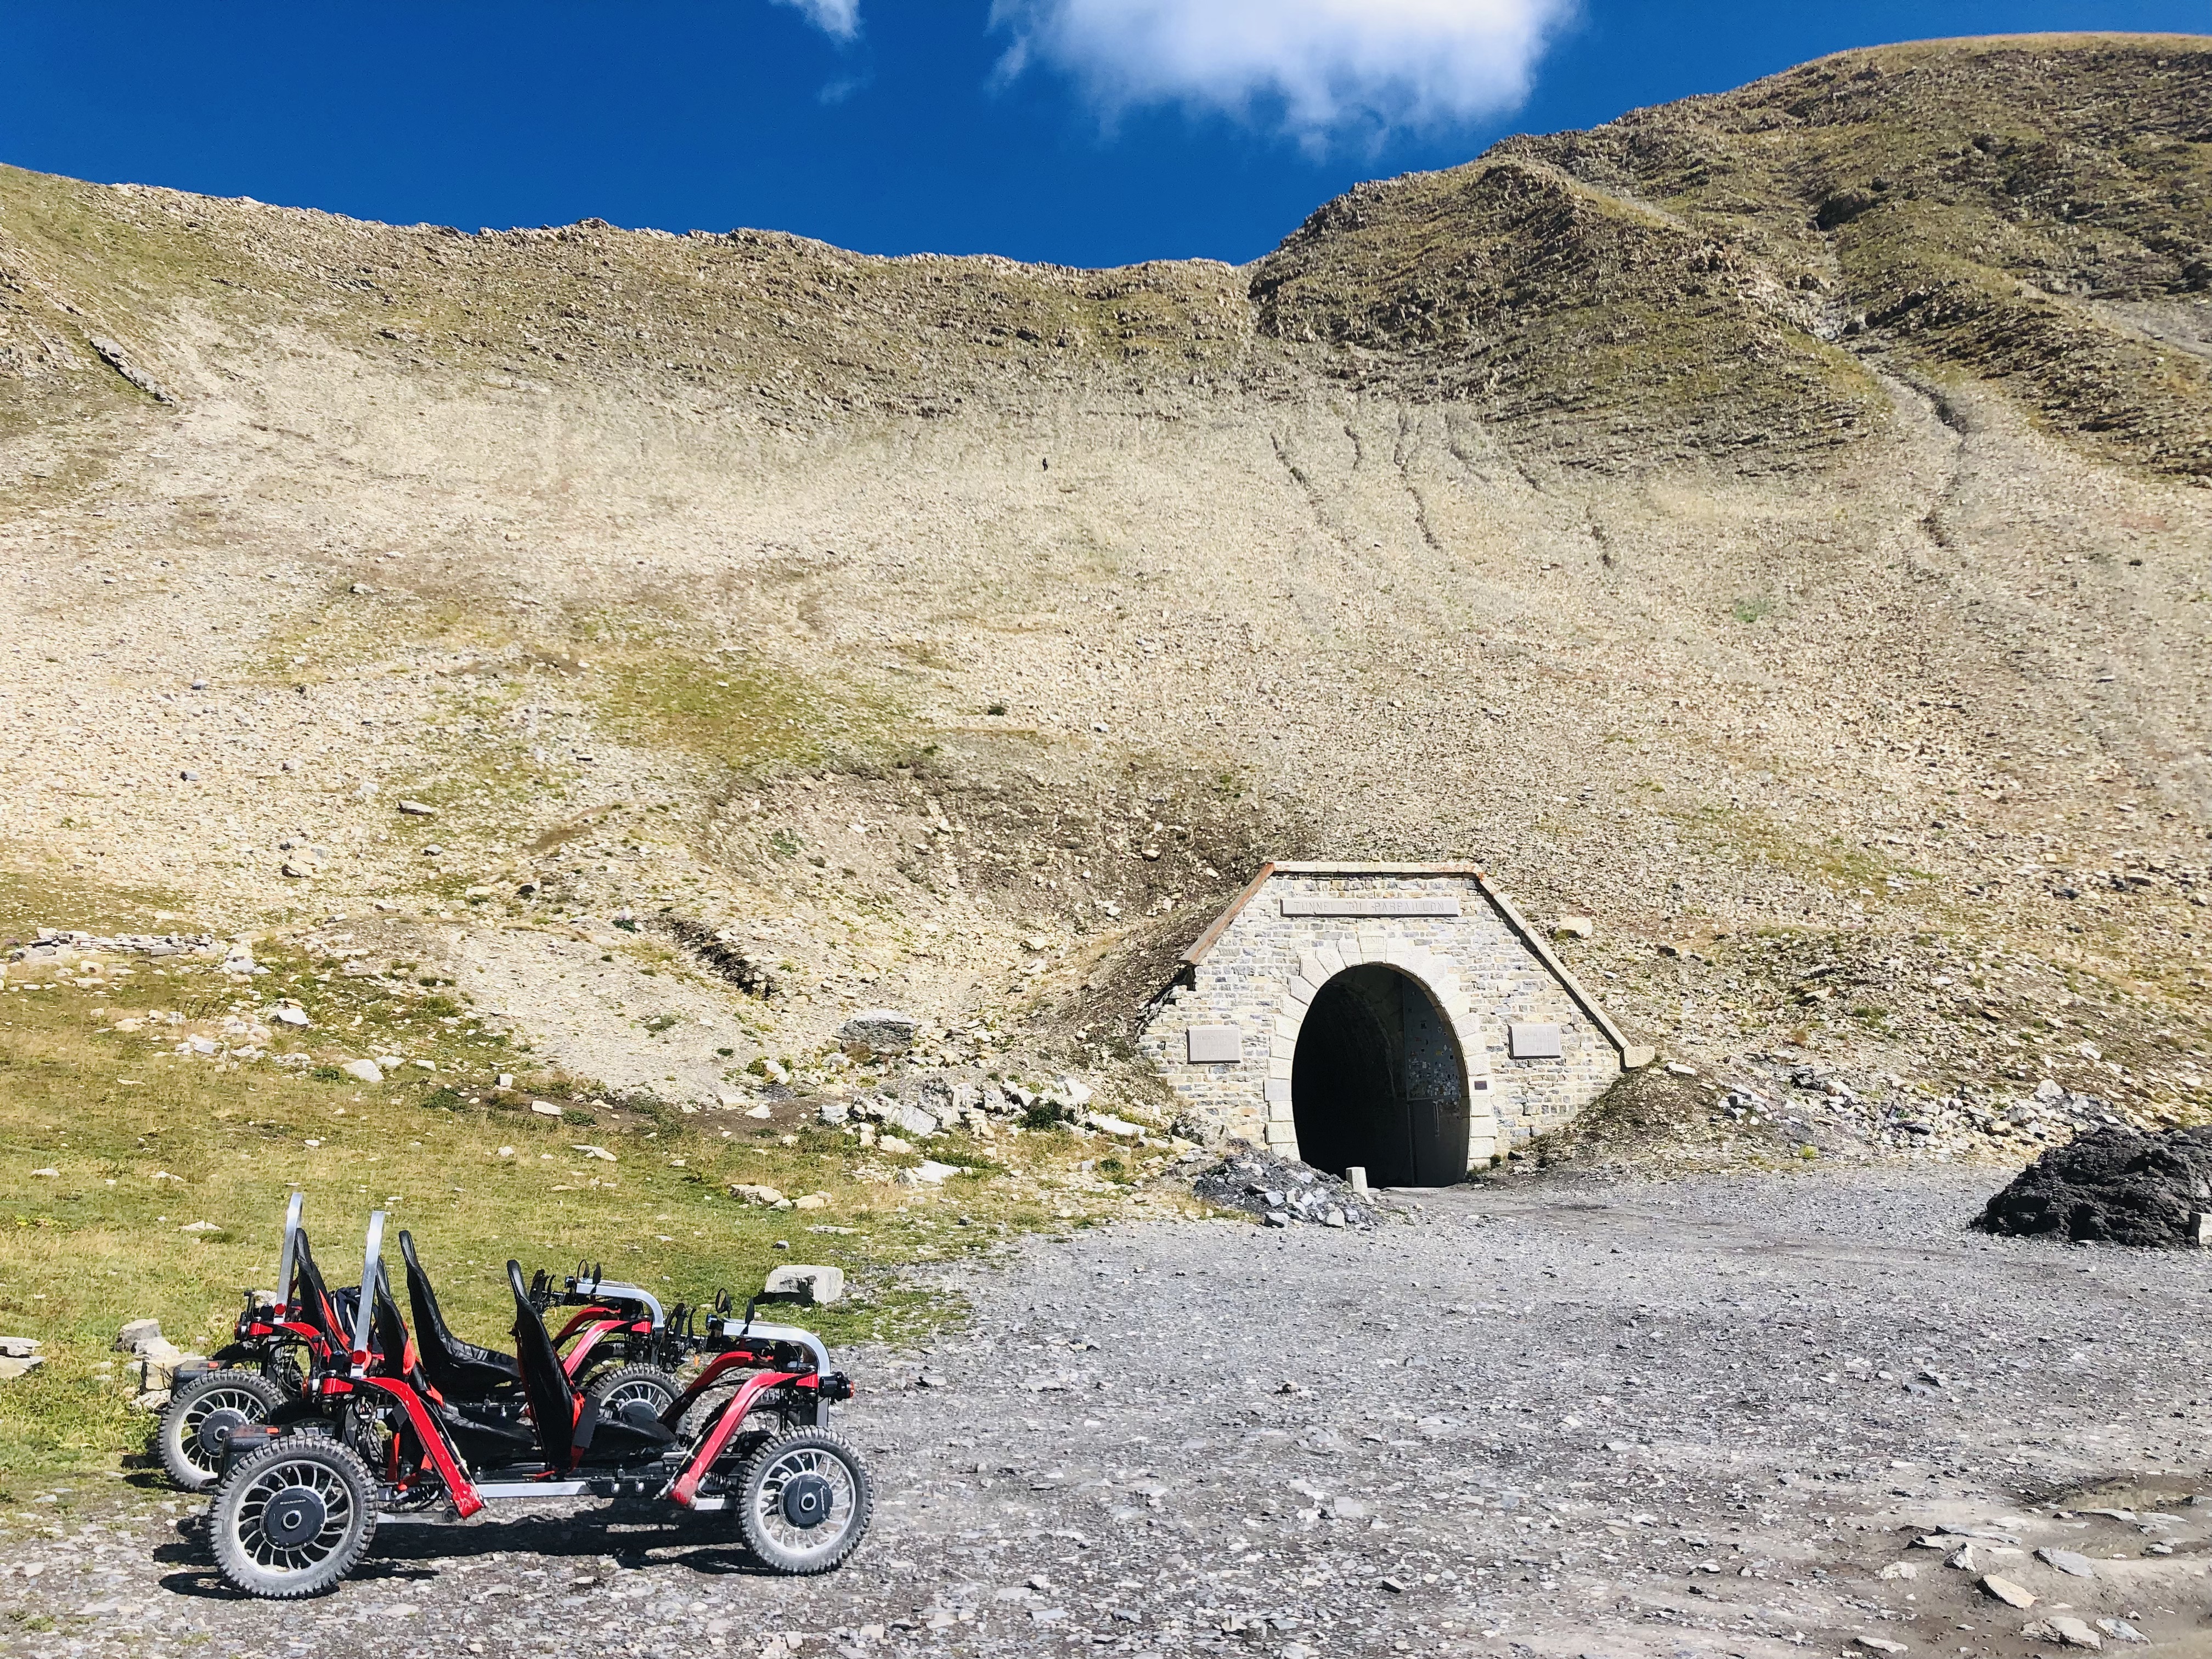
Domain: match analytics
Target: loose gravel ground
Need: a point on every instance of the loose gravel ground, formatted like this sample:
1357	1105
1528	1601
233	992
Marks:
1704	1417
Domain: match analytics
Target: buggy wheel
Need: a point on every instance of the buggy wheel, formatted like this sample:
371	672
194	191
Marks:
200	1417
616	1388
804	1501
292	1519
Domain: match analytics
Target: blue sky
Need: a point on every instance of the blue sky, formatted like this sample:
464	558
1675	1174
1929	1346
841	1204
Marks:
1084	131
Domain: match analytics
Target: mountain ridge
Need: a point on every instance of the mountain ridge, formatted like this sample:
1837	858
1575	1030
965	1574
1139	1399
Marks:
1767	589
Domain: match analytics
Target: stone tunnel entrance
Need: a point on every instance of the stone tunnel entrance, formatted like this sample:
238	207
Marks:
1377	1081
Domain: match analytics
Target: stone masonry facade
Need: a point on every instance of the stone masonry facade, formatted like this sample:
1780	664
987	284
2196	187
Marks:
1225	1033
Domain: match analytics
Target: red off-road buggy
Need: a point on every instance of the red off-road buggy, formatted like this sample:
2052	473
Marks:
611	1343
298	1502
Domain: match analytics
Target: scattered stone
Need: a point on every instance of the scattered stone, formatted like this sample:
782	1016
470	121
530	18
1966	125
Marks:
157	1365
136	1334
752	1193
823	1284
200	1227
1575	927
599	1152
2012	1594
290	1013
363	1071
2066	1561
416	809
19	1347
879	1031
912	1119
930	1172
2063	1628
1899	1570
15	1365
2121	1630
118	359
1882	1644
544	1109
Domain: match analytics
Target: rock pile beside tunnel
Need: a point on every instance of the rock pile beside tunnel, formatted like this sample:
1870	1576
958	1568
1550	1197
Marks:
2114	1186
1283	1192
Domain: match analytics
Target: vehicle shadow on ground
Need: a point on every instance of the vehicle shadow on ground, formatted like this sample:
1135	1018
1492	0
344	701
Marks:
404	1552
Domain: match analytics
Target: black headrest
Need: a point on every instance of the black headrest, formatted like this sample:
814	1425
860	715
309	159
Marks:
313	1297
423	1294
387	1331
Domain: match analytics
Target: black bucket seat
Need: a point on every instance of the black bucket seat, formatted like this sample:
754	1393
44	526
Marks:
484	1435
571	1430
458	1369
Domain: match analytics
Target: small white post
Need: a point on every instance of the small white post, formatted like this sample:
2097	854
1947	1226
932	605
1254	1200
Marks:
1357	1175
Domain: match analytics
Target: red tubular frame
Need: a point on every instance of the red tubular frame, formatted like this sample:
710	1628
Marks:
572	1362
584	1317
717	1368
458	1486
686	1488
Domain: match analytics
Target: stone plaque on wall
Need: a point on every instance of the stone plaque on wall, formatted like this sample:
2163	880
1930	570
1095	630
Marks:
1534	1042
1370	904
1213	1045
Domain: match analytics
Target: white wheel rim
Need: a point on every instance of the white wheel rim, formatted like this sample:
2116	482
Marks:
807	1543
201	1406
270	1483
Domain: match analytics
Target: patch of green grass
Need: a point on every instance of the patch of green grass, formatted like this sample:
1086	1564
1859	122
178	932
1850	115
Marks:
470	1170
750	716
1752	609
1748	835
53	898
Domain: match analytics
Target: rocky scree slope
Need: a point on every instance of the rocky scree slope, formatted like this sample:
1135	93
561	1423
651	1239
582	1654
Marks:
956	634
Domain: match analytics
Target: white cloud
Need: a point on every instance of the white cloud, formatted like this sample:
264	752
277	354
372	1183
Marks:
838	18
1322	66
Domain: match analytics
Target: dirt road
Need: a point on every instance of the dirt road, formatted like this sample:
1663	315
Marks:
1708	1416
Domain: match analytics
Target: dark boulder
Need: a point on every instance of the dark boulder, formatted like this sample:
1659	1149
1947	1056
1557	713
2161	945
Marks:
2111	1186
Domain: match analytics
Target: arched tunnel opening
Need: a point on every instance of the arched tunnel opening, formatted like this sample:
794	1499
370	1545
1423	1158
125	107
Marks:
1377	1081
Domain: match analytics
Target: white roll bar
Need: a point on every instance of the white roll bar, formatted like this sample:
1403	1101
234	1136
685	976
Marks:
371	1259
615	1291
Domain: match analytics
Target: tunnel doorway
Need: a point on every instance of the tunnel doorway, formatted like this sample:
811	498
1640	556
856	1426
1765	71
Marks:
1377	1081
